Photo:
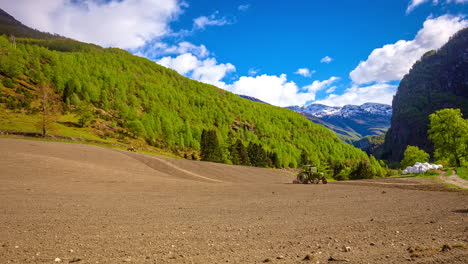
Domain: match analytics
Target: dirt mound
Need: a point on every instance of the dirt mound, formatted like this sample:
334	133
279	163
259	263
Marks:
71	203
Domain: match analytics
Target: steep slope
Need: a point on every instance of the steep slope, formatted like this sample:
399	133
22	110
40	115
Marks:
253	99
10	26
371	144
439	80
350	122
130	97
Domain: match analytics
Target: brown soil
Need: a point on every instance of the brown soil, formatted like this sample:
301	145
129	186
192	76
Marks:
85	204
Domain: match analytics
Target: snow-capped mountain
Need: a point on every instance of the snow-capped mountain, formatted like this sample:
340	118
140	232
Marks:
319	110
350	122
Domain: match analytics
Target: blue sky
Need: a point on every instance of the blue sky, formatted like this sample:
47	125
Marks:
285	53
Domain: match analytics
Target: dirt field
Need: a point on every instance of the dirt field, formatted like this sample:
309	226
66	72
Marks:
71	203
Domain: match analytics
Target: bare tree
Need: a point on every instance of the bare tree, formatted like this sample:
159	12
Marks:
49	108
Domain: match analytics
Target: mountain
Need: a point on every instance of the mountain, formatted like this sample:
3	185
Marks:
350	122
438	80
372	145
253	99
10	26
110	95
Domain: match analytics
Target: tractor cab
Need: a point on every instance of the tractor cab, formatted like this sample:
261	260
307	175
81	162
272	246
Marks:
309	168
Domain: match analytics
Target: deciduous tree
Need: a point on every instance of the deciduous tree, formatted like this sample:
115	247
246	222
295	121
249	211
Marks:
49	108
448	132
412	155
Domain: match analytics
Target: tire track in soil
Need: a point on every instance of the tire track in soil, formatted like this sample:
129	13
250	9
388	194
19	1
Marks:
168	168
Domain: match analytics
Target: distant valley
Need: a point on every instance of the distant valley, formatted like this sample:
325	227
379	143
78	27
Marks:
350	122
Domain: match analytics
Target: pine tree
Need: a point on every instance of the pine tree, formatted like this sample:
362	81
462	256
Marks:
210	149
239	154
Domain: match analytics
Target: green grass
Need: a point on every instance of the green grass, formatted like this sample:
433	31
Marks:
19	121
448	172
462	173
420	175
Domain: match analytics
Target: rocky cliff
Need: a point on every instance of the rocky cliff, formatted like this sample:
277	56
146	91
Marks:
439	80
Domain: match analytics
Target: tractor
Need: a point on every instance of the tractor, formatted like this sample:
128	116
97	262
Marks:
310	174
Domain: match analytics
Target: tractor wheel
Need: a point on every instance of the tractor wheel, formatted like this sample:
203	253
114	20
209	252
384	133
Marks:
302	178
324	180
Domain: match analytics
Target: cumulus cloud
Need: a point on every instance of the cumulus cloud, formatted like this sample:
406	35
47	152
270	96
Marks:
393	61
304	72
125	24
377	93
415	3
204	70
277	90
212	20
326	59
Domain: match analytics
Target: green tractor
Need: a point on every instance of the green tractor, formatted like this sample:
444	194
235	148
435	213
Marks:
310	174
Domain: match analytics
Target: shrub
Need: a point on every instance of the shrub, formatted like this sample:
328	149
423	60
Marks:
412	155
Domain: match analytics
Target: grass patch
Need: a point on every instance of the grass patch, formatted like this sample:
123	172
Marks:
429	173
458	245
448	172
462	173
19	121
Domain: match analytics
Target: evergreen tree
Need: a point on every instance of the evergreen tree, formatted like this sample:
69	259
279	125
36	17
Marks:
257	155
239	154
210	149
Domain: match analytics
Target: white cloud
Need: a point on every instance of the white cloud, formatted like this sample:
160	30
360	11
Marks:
377	93
326	59
331	89
304	72
320	85
277	90
212	20
204	70
183	63
124	24
253	71
160	49
415	3
393	61
243	7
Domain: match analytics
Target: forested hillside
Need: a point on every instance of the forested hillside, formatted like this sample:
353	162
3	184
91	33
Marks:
439	80
125	96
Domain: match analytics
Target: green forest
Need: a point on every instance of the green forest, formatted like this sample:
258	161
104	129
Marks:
134	97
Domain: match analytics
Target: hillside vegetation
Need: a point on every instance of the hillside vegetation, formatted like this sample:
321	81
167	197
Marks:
114	95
